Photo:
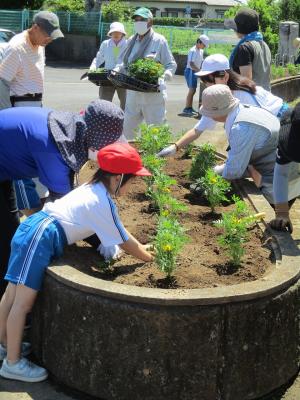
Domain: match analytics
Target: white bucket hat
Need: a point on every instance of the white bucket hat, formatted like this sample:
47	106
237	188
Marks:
217	101
116	27
213	63
204	39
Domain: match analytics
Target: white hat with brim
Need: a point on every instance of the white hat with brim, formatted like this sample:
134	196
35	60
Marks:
217	101
296	42
116	27
214	63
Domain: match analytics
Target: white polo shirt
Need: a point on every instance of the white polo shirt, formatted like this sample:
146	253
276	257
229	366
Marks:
87	210
23	66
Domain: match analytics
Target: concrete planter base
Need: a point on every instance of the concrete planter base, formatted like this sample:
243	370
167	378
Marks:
120	342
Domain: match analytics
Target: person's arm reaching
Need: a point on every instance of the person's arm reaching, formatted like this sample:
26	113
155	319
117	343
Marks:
186	139
136	249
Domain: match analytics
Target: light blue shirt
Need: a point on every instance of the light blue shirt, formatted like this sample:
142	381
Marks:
107	54
243	139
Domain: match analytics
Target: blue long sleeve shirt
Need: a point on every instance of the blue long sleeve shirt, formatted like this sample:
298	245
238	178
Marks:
27	150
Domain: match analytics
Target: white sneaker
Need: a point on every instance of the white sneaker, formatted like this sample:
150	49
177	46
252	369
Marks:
23	370
25	350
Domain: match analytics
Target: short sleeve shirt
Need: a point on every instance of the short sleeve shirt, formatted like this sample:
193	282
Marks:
87	210
196	56
23	66
28	151
244	56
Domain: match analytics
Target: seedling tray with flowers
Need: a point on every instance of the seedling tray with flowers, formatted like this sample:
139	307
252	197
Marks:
99	77
194	244
142	76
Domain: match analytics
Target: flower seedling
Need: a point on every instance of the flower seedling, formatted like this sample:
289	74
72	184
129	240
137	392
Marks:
235	226
168	242
214	188
107	265
146	70
202	161
153	138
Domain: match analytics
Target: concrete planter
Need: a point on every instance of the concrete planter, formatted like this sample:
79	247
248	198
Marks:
120	342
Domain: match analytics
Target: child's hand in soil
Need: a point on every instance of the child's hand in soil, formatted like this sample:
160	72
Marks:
150	249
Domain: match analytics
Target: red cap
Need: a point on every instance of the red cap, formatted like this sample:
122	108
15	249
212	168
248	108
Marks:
121	158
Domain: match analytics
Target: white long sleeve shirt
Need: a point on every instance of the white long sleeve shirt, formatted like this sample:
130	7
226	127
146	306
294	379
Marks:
108	53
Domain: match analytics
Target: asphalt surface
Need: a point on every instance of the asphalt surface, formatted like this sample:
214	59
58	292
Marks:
65	91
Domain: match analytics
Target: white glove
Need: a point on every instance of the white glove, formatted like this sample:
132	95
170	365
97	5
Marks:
167	151
167	75
161	85
218	169
119	68
109	252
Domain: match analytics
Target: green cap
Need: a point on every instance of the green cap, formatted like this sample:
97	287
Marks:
143	12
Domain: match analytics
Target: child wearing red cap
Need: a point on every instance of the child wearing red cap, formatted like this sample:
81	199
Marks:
41	238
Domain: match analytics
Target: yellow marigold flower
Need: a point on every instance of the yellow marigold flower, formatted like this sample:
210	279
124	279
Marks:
213	180
155	130
166	190
167	247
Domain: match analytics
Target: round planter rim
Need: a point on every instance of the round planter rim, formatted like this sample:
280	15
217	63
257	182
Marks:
284	274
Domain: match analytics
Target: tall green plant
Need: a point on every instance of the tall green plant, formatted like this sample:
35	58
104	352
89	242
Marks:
235	226
169	241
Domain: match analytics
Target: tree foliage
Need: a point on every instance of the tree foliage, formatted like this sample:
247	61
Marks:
63	5
116	10
289	10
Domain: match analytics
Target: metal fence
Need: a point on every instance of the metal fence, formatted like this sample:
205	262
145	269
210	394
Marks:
180	39
83	23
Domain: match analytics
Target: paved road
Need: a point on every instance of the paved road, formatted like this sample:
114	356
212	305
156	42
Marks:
65	91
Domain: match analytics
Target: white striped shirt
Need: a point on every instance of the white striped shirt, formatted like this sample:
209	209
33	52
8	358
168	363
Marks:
23	66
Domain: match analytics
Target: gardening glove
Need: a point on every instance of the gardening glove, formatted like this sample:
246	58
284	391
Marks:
167	151
109	252
167	76
218	169
119	68
161	85
282	221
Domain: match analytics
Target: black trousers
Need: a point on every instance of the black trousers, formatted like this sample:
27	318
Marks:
9	221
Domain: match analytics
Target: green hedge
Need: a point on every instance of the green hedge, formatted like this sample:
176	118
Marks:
172	21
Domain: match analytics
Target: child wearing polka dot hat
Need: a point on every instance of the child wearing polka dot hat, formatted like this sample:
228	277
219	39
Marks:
86	210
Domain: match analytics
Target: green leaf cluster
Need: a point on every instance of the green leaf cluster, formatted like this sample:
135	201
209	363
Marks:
146	70
214	188
204	159
116	10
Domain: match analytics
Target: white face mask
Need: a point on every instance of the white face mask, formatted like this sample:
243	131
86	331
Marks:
92	154
141	27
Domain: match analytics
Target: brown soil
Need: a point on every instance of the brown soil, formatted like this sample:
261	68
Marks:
202	263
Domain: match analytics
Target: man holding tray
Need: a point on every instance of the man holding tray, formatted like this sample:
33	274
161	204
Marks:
148	107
